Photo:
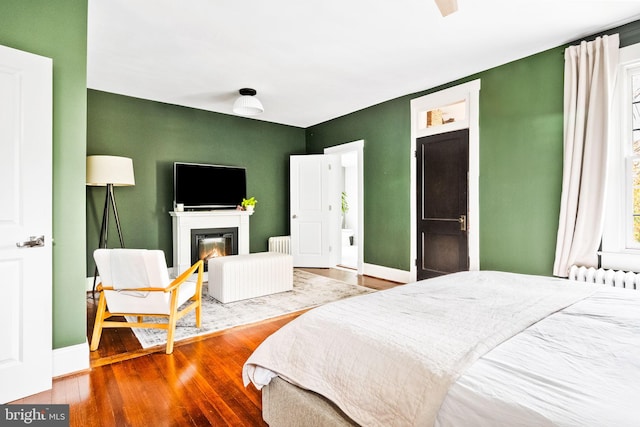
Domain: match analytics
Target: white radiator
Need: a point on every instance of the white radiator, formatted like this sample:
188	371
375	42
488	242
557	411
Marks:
280	244
617	278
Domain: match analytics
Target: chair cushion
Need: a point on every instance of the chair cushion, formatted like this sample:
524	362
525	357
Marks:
153	303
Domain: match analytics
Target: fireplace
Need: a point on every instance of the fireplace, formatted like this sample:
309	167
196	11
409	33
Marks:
184	222
209	243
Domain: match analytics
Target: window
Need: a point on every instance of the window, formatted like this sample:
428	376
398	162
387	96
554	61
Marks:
632	146
443	115
621	240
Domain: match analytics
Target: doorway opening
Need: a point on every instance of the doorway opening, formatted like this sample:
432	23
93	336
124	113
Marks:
352	204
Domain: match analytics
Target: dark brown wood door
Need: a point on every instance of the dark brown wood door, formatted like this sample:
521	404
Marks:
442	173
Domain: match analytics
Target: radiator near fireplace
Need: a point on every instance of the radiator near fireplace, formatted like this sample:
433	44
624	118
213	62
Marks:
280	244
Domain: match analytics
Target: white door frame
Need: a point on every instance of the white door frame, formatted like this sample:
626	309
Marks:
357	146
469	92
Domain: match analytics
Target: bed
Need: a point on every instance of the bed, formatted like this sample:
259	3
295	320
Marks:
468	349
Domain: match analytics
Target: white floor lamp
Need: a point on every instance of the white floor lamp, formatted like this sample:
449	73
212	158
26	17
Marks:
109	172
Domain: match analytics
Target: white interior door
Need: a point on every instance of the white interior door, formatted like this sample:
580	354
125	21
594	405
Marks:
25	210
315	210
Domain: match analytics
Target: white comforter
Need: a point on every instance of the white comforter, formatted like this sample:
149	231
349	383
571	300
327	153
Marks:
389	358
579	367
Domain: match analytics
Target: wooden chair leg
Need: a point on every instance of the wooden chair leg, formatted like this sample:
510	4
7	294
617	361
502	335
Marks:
173	319
97	326
199	314
171	331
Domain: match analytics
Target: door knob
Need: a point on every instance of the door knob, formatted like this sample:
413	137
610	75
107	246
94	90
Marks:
294	216
463	222
32	242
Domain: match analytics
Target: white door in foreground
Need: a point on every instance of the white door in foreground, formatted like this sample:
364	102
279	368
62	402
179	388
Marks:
25	211
315	210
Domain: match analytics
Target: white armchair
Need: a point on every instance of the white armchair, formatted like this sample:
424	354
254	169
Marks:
135	282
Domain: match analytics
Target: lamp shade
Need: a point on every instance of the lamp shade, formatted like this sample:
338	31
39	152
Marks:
247	104
103	170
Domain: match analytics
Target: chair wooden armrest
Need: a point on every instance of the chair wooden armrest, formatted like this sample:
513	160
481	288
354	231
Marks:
199	265
101	287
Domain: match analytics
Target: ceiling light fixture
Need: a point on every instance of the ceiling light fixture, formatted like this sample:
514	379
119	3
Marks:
247	104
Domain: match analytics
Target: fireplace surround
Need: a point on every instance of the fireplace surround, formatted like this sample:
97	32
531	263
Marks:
184	222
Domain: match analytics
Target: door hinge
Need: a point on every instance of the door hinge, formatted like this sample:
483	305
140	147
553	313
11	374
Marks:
330	248
329	207
415	153
415	262
329	164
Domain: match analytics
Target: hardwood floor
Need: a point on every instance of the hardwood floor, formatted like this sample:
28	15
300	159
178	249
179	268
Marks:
199	384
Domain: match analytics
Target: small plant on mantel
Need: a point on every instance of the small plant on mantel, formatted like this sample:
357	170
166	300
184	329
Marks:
249	204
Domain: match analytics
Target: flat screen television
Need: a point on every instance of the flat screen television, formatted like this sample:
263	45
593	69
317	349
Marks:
202	186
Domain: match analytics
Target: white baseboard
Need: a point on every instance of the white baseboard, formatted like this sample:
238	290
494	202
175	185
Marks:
73	358
387	273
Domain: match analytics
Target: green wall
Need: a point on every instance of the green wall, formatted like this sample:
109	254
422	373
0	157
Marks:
521	124
58	30
155	135
520	164
386	130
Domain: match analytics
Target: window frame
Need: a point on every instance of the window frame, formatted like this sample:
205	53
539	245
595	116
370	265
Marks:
619	251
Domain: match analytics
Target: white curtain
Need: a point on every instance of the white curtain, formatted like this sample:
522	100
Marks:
589	77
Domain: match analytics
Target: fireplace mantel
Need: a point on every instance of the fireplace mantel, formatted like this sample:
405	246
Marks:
184	222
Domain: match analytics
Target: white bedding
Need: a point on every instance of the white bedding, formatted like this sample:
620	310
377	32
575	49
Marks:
578	367
389	358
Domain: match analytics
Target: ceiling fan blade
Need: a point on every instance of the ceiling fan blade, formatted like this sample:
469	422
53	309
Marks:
447	7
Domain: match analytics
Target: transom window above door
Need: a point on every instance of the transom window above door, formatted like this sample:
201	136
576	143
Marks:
443	115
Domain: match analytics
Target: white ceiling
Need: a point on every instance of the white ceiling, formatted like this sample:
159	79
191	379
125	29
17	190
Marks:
314	60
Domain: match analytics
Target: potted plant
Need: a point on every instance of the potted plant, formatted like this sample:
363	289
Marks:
249	204
345	207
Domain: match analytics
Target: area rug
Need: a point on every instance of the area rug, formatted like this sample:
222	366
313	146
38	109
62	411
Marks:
309	290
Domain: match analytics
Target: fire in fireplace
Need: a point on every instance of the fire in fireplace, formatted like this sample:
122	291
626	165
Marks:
213	242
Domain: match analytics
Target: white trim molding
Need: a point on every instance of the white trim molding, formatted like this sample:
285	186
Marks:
358	147
469	92
387	273
74	358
